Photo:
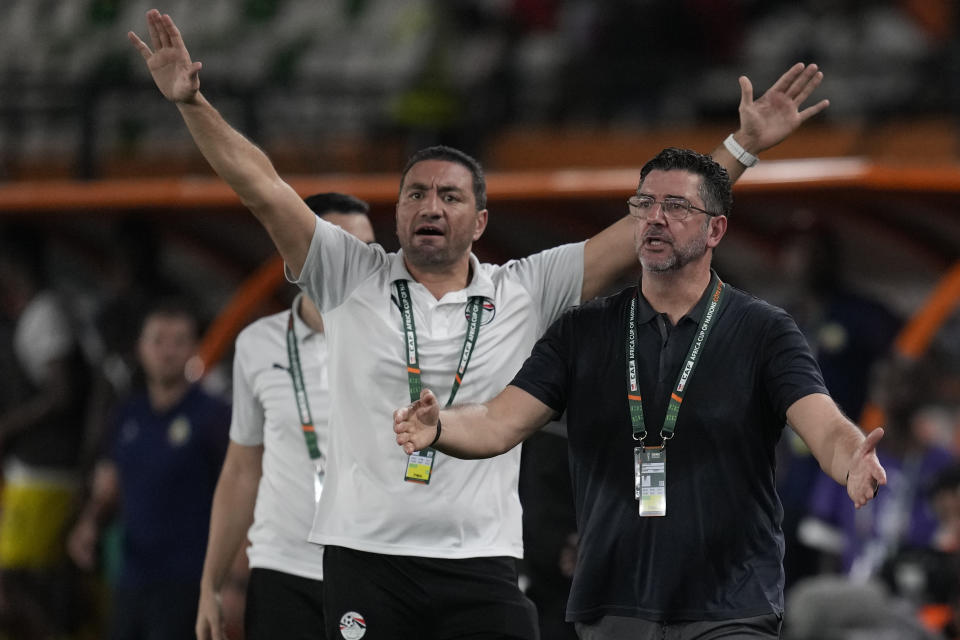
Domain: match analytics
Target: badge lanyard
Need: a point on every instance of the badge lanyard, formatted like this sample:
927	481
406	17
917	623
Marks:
650	462
420	463
303	407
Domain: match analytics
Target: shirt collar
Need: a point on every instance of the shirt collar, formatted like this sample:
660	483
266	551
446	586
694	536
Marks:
301	328
480	282
646	313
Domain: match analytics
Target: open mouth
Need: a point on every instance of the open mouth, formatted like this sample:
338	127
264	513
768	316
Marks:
429	231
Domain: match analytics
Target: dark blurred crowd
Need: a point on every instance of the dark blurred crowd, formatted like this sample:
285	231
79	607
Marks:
362	71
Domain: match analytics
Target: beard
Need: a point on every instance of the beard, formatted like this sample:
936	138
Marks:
681	256
427	256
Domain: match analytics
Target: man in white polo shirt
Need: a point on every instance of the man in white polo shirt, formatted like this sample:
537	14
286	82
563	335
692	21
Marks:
426	545
274	468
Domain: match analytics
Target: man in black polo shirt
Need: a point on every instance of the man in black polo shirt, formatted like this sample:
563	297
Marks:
676	392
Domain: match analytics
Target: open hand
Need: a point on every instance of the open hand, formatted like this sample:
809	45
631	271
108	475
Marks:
776	114
866	474
169	62
416	423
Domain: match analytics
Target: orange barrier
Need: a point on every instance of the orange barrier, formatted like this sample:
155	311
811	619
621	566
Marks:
238	311
915	337
380	189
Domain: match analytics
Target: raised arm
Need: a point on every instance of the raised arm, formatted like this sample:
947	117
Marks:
238	161
230	518
844	453
471	430
764	123
767	121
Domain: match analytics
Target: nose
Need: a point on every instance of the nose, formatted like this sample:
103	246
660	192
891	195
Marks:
655	214
431	204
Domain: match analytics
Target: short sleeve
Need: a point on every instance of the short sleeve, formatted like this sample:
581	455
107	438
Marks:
546	373
553	278
336	264
790	372
247	418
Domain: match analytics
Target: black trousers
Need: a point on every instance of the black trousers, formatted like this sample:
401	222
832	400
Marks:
280	605
380	597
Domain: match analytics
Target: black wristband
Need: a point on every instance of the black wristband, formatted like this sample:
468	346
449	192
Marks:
430	446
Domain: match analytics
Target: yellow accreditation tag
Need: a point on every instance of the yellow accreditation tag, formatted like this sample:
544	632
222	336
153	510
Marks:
650	480
420	466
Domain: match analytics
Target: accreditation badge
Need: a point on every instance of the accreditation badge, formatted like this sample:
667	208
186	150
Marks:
650	480
420	466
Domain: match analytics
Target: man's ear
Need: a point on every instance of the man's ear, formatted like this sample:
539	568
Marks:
718	228
482	217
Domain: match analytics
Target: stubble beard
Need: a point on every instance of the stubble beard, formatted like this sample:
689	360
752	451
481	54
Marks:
680	257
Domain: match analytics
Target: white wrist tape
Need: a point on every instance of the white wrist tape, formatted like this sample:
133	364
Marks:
743	156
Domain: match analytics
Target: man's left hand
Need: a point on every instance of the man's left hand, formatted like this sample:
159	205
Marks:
866	474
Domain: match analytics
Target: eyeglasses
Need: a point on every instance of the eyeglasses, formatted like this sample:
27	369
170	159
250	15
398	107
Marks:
676	209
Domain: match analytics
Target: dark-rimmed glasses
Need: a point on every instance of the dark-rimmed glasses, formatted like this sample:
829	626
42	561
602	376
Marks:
676	209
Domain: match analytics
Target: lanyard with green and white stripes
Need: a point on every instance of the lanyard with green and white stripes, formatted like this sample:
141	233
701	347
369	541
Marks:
693	357
420	463
300	392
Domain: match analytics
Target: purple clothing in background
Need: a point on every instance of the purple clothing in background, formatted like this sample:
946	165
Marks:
900	516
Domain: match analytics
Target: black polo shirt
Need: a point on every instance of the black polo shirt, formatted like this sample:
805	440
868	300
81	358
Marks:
718	553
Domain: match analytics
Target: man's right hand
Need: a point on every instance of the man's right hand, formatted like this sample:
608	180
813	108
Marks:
169	62
210	624
416	423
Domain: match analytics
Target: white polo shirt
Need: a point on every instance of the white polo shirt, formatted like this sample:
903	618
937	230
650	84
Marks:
265	412
471	507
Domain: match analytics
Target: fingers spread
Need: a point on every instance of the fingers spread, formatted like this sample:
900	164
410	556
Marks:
809	87
153	28
786	80
173	32
140	45
801	80
165	29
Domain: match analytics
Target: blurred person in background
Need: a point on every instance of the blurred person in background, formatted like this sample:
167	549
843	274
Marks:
133	279
41	433
380	517
156	476
849	332
273	473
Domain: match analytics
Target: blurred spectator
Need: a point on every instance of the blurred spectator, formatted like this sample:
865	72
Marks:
133	279
160	467
901	516
833	608
915	595
848	332
41	428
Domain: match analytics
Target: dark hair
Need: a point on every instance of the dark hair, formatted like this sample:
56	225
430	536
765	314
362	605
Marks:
449	154
173	306
715	188
333	202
